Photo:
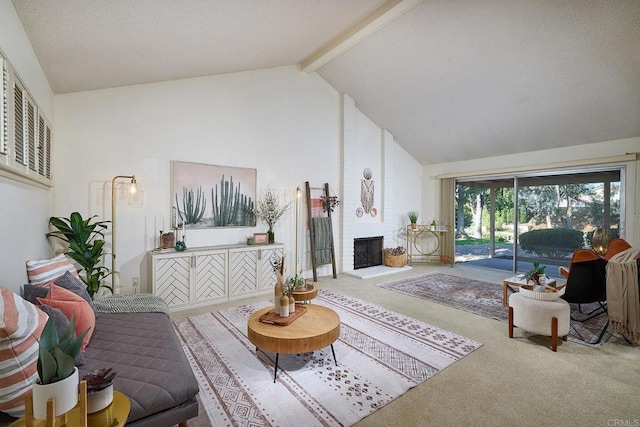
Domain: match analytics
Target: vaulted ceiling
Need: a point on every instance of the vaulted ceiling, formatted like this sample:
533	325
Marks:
451	80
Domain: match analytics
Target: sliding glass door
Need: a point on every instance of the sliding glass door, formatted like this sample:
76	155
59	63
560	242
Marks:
507	222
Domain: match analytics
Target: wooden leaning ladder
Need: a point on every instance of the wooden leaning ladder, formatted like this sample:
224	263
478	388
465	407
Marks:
312	234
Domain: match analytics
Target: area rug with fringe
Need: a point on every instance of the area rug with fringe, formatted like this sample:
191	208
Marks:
485	299
380	355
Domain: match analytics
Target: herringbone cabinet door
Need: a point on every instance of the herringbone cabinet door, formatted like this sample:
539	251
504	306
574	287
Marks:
267	275
211	276
243	272
172	279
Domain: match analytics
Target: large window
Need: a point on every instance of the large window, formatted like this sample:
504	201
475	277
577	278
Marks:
499	219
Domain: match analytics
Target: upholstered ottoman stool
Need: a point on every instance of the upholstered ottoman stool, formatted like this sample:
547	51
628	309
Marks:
549	318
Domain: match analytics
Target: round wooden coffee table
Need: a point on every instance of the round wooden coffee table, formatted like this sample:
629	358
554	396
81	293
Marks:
317	328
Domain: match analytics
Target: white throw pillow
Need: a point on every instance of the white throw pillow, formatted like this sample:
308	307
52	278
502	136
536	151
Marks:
47	270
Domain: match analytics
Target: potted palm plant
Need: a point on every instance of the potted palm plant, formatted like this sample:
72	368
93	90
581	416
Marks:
85	246
58	376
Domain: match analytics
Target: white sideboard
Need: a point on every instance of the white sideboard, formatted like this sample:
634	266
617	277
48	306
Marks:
202	276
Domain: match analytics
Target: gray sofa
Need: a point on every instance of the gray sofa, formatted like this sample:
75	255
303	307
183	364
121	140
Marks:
152	369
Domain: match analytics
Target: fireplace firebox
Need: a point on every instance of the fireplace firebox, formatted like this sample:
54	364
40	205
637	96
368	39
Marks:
367	252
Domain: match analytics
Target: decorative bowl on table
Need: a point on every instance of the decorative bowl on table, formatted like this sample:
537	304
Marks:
305	287
547	294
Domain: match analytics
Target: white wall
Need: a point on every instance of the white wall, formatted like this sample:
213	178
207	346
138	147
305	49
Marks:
408	194
542	159
24	209
368	155
280	121
397	177
283	122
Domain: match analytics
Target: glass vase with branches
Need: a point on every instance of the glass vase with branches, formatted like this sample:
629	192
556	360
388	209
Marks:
270	211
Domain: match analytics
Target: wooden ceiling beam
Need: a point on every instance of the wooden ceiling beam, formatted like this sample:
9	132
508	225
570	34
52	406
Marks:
363	29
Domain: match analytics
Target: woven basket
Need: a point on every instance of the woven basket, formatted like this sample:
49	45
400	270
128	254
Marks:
394	260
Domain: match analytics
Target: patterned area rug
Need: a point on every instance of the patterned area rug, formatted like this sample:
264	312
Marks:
485	299
381	354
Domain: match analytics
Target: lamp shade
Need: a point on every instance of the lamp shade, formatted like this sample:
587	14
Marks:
600	240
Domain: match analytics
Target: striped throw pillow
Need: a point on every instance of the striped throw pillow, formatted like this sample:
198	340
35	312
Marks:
48	270
21	324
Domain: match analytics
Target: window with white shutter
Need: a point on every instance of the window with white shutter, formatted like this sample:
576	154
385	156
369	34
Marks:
25	132
20	113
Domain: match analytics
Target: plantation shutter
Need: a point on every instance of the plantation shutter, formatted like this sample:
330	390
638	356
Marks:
30	129
4	107
48	153
20	120
42	146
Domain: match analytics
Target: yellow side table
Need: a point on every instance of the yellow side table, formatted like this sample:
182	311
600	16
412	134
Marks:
114	415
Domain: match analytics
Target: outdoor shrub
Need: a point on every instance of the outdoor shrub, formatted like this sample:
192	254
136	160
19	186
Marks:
552	242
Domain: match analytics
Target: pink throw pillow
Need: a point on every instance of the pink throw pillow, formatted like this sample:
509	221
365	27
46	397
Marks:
72	305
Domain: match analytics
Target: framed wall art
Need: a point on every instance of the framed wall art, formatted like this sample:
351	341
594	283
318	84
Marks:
260	239
207	196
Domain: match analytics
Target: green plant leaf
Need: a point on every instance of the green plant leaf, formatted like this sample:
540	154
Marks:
65	363
49	335
70	331
69	343
86	247
47	366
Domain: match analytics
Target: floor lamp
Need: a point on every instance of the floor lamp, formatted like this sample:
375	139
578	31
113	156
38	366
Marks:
297	202
133	189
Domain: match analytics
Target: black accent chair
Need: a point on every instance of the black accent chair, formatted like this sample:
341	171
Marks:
587	284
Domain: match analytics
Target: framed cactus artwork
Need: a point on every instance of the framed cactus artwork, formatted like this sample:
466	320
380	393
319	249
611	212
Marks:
207	196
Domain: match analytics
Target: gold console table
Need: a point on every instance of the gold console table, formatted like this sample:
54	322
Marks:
425	244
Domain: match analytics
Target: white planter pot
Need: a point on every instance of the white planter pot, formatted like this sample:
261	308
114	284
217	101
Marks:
65	393
99	400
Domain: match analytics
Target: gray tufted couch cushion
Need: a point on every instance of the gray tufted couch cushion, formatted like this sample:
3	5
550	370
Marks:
152	368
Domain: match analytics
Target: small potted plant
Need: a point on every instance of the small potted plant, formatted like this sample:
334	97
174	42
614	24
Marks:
56	369
413	218
296	282
99	389
535	274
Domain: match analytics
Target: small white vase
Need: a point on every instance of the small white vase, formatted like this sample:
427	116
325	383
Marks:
99	400
65	393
